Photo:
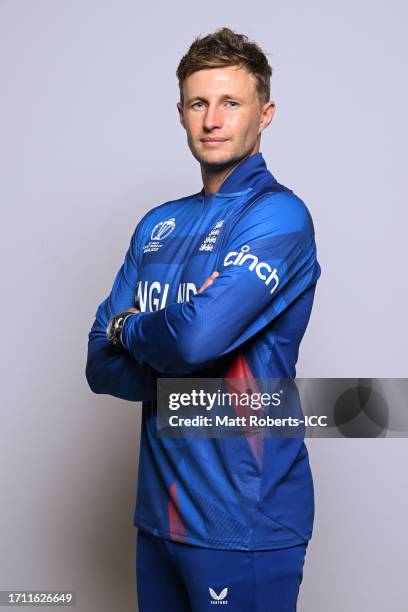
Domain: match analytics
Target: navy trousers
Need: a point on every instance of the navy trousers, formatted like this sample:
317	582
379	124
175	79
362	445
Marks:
184	578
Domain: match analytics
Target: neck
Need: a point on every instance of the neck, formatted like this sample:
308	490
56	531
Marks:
214	178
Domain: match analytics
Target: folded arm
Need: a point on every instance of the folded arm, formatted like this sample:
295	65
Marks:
269	260
110	369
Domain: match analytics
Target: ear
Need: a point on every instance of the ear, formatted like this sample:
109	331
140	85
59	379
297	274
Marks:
181	114
267	114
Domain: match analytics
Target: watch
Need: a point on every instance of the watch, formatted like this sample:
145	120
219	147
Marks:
115	326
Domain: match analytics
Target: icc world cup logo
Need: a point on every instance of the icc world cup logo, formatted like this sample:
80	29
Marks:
163	229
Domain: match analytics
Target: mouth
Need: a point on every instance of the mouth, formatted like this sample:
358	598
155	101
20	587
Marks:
213	141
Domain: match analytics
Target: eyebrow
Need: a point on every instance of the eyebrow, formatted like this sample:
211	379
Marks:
223	97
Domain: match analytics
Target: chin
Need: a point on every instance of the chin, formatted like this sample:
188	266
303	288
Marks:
215	159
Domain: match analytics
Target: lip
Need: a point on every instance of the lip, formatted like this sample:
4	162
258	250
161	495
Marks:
212	142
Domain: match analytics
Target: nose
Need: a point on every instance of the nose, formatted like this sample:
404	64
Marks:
213	118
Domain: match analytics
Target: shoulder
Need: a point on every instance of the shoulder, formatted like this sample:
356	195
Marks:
280	210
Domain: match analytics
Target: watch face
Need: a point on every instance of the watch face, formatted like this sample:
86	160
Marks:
114	329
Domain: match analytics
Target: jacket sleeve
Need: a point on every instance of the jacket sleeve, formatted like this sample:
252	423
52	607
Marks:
113	370
268	260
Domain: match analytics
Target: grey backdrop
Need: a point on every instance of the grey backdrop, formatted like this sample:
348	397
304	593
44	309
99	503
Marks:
91	141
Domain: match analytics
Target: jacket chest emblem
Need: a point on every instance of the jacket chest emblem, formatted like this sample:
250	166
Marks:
211	238
160	231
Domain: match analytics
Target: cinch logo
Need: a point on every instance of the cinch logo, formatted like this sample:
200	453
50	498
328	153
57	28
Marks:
218	599
163	229
238	259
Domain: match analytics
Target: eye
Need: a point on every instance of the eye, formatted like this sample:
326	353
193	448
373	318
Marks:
232	103
198	104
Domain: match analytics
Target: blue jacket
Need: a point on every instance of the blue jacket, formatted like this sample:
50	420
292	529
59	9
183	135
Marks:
215	492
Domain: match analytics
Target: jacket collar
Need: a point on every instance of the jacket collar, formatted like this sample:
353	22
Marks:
250	173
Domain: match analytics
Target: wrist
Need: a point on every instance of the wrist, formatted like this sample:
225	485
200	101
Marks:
122	335
114	330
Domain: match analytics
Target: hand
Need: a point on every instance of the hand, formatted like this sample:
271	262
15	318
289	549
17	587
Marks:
208	281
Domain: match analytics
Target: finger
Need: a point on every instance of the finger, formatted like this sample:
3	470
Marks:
201	289
204	285
208	281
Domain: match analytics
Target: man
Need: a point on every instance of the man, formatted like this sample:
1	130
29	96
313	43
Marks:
216	284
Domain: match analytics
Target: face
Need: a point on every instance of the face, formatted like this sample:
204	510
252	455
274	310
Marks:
222	115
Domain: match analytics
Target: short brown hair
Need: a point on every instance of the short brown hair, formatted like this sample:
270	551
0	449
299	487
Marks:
226	48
